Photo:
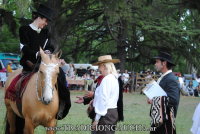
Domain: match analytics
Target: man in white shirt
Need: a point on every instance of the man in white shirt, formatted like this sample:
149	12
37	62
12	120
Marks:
126	76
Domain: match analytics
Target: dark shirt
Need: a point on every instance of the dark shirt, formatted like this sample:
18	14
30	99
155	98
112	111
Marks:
32	42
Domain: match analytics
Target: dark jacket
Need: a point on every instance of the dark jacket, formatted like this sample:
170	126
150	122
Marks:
171	86
32	42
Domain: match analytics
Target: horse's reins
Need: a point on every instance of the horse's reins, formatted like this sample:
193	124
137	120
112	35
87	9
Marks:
48	65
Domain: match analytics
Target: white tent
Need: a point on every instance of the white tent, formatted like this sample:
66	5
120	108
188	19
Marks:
85	66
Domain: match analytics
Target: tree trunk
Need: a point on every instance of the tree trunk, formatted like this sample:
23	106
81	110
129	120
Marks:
4	1
121	54
121	44
56	5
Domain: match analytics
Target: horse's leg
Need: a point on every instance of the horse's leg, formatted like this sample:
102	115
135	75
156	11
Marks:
11	120
10	117
50	126
29	127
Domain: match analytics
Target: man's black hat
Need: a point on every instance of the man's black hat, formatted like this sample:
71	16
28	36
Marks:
45	12
165	56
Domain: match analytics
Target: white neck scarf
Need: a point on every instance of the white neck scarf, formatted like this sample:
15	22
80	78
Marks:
161	77
38	30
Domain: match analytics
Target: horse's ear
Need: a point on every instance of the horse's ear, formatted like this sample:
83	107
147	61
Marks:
59	54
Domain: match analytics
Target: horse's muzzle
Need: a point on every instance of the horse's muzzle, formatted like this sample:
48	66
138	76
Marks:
46	102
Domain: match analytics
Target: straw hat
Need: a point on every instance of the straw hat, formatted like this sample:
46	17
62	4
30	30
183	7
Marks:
106	59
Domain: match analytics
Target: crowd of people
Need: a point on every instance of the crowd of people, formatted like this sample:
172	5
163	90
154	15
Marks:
89	75
190	86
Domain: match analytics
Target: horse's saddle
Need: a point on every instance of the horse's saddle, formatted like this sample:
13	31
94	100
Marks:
17	87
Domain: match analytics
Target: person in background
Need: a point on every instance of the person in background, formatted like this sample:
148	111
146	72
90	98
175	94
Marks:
81	71
9	68
89	83
71	72
132	82
65	67
3	77
190	88
126	76
181	80
93	72
182	84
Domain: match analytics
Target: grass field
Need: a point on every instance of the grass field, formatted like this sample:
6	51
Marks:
136	111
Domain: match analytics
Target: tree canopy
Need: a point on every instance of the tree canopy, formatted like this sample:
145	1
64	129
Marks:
132	30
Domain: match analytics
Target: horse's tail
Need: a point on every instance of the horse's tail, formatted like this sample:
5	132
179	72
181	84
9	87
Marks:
19	124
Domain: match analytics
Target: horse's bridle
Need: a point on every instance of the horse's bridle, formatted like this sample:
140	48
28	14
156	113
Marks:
48	65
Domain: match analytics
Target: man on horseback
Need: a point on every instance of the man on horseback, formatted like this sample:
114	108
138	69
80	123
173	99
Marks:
34	36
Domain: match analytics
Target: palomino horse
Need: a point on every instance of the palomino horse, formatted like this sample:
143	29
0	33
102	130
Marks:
40	100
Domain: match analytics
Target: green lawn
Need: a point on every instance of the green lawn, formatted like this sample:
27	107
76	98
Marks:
136	111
